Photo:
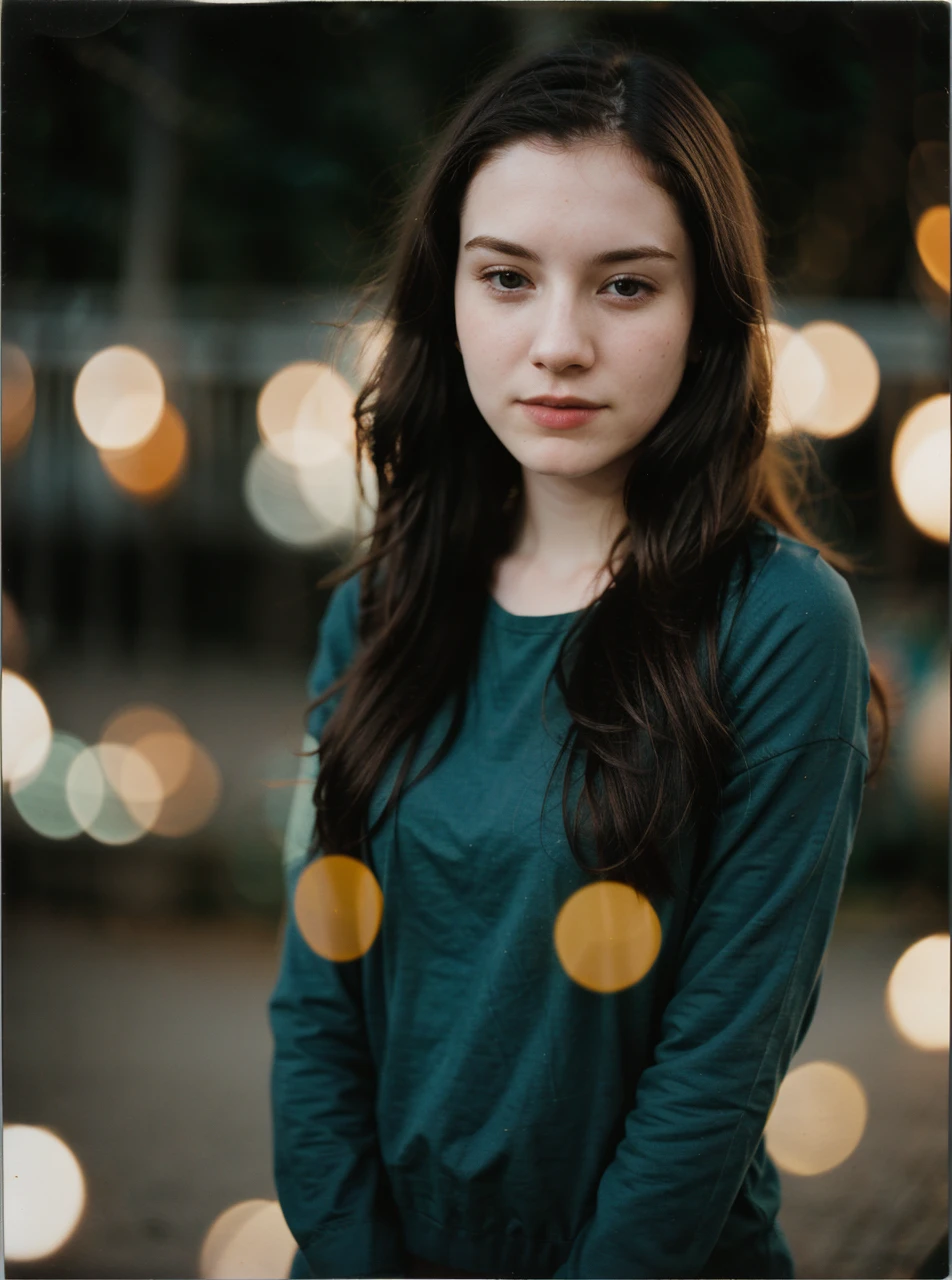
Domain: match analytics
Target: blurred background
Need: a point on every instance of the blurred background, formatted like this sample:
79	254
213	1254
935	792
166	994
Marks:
192	193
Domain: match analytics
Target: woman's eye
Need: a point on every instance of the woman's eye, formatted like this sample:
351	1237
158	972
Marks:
508	280
628	287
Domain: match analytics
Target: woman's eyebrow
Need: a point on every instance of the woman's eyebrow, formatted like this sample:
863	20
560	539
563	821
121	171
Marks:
511	250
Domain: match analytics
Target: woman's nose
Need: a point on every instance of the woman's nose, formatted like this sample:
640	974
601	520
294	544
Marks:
561	340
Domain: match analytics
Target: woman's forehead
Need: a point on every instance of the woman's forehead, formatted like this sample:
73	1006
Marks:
594	189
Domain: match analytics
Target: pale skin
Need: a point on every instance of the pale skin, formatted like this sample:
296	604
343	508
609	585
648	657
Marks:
537	314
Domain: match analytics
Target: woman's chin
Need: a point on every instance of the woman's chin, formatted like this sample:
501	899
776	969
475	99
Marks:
566	459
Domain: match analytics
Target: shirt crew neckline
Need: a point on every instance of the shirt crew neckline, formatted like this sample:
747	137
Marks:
541	623
526	622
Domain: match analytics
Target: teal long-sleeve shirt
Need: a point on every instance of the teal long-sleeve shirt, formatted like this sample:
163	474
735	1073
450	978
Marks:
456	1094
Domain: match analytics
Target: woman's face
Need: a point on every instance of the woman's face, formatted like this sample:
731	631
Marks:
575	281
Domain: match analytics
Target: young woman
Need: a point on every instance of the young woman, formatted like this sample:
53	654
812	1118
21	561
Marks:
592	715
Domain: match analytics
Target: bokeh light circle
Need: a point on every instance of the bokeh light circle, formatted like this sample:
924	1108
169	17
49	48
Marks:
279	771
41	802
370	341
607	936
119	397
249	1241
137	720
368	504
799	377
817	1120
135	780
25	727
932	241
14	644
330	490
18	389
917	993
273	495
305	413
852	379
927	757
113	792
920	466
171	754
190	780
151	470
191	804
44	1192
338	906
928	176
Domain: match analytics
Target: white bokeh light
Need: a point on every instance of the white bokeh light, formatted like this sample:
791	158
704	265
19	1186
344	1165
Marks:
26	729
330	491
44	1192
920	466
114	793
369	341
852	379
119	398
917	993
817	1120
273	495
305	413
249	1241
799	377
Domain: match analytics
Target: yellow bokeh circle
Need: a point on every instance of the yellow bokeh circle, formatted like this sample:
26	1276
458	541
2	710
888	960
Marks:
338	906
607	936
932	241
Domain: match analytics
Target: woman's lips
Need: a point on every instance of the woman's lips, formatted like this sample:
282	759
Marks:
559	416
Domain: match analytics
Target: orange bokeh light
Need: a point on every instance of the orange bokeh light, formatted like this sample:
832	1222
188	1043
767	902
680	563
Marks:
607	936
18	398
151	470
338	905
932	241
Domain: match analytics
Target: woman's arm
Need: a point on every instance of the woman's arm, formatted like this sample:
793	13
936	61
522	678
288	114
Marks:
750	961
751	954
327	1169
329	1177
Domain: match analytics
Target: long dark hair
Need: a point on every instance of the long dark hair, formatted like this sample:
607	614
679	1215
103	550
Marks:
638	669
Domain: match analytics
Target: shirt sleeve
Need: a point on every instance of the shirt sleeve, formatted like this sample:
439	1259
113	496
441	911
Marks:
329	1177
751	952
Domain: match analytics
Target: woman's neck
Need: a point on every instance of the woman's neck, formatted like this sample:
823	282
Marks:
565	527
558	559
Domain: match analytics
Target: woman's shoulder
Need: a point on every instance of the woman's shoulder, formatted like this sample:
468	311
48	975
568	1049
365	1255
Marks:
337	634
343	606
793	587
792	653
